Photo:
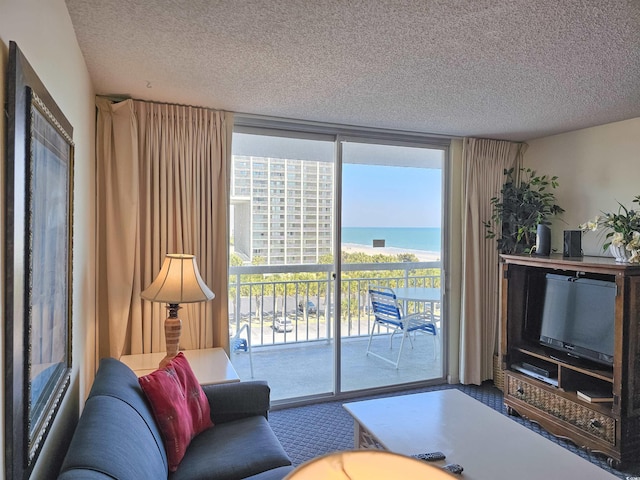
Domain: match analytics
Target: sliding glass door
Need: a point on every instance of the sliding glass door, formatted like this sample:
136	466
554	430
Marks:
391	240
281	257
300	315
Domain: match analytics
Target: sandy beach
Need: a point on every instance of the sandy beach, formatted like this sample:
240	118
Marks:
423	256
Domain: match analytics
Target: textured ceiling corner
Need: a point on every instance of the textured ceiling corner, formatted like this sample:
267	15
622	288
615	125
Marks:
510	69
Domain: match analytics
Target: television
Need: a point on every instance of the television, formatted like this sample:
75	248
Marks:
578	317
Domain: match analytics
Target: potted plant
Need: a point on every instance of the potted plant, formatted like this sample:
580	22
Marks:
523	204
623	238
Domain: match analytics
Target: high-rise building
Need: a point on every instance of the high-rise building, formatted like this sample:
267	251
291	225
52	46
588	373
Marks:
282	209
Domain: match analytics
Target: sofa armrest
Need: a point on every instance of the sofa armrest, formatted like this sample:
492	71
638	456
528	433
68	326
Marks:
232	401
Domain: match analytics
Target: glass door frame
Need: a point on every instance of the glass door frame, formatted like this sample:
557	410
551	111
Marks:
401	141
247	123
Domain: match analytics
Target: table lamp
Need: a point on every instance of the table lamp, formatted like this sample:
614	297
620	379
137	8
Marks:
179	281
367	465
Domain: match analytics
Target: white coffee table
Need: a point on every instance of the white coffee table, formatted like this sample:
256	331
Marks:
487	444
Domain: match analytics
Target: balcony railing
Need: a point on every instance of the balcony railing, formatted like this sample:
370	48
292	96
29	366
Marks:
301	296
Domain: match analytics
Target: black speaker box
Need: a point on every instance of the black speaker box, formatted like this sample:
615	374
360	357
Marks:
543	241
572	243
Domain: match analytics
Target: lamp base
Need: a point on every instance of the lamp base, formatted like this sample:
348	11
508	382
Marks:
166	361
172	331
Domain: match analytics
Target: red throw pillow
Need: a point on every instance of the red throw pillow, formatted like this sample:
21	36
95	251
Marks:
179	405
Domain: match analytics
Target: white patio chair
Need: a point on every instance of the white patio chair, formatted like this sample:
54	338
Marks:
389	314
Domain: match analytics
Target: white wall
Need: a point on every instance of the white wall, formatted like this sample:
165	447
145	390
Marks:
44	34
596	167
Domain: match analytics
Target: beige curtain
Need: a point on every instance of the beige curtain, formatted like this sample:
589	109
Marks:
162	183
484	162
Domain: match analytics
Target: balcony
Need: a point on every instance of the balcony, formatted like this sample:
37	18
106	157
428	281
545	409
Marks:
298	361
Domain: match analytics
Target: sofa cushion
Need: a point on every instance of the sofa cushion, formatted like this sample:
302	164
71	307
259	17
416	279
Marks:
232	450
113	439
180	406
117	380
273	474
84	474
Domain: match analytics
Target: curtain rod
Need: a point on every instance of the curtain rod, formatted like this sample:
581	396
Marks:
256	120
122	98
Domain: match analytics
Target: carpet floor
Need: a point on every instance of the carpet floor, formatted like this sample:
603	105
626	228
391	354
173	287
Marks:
313	430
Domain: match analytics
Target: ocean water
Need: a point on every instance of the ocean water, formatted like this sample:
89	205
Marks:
414	238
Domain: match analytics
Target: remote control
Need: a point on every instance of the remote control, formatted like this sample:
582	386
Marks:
453	468
430	456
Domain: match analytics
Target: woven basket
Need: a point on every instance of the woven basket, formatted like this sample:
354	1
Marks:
594	423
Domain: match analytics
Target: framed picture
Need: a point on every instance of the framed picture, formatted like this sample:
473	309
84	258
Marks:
38	263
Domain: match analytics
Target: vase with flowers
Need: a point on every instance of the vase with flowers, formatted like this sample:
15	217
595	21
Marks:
623	236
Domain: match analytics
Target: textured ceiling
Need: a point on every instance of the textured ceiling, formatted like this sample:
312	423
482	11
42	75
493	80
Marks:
510	69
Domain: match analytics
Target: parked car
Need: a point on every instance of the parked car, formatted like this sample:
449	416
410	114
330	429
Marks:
311	307
324	310
282	324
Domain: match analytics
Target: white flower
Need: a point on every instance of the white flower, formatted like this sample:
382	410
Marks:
634	243
624	225
591	225
617	240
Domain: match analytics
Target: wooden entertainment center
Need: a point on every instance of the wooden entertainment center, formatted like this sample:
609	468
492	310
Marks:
610	426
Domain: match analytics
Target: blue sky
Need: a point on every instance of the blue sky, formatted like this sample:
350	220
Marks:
374	193
383	196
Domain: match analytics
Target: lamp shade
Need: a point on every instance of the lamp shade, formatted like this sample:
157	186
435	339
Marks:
179	281
367	465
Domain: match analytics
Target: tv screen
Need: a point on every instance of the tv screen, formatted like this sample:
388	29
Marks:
578	317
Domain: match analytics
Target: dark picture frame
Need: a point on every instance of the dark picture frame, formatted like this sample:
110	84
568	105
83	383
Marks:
38	264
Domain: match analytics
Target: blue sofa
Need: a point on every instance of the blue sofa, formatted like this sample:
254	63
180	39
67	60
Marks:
117	437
